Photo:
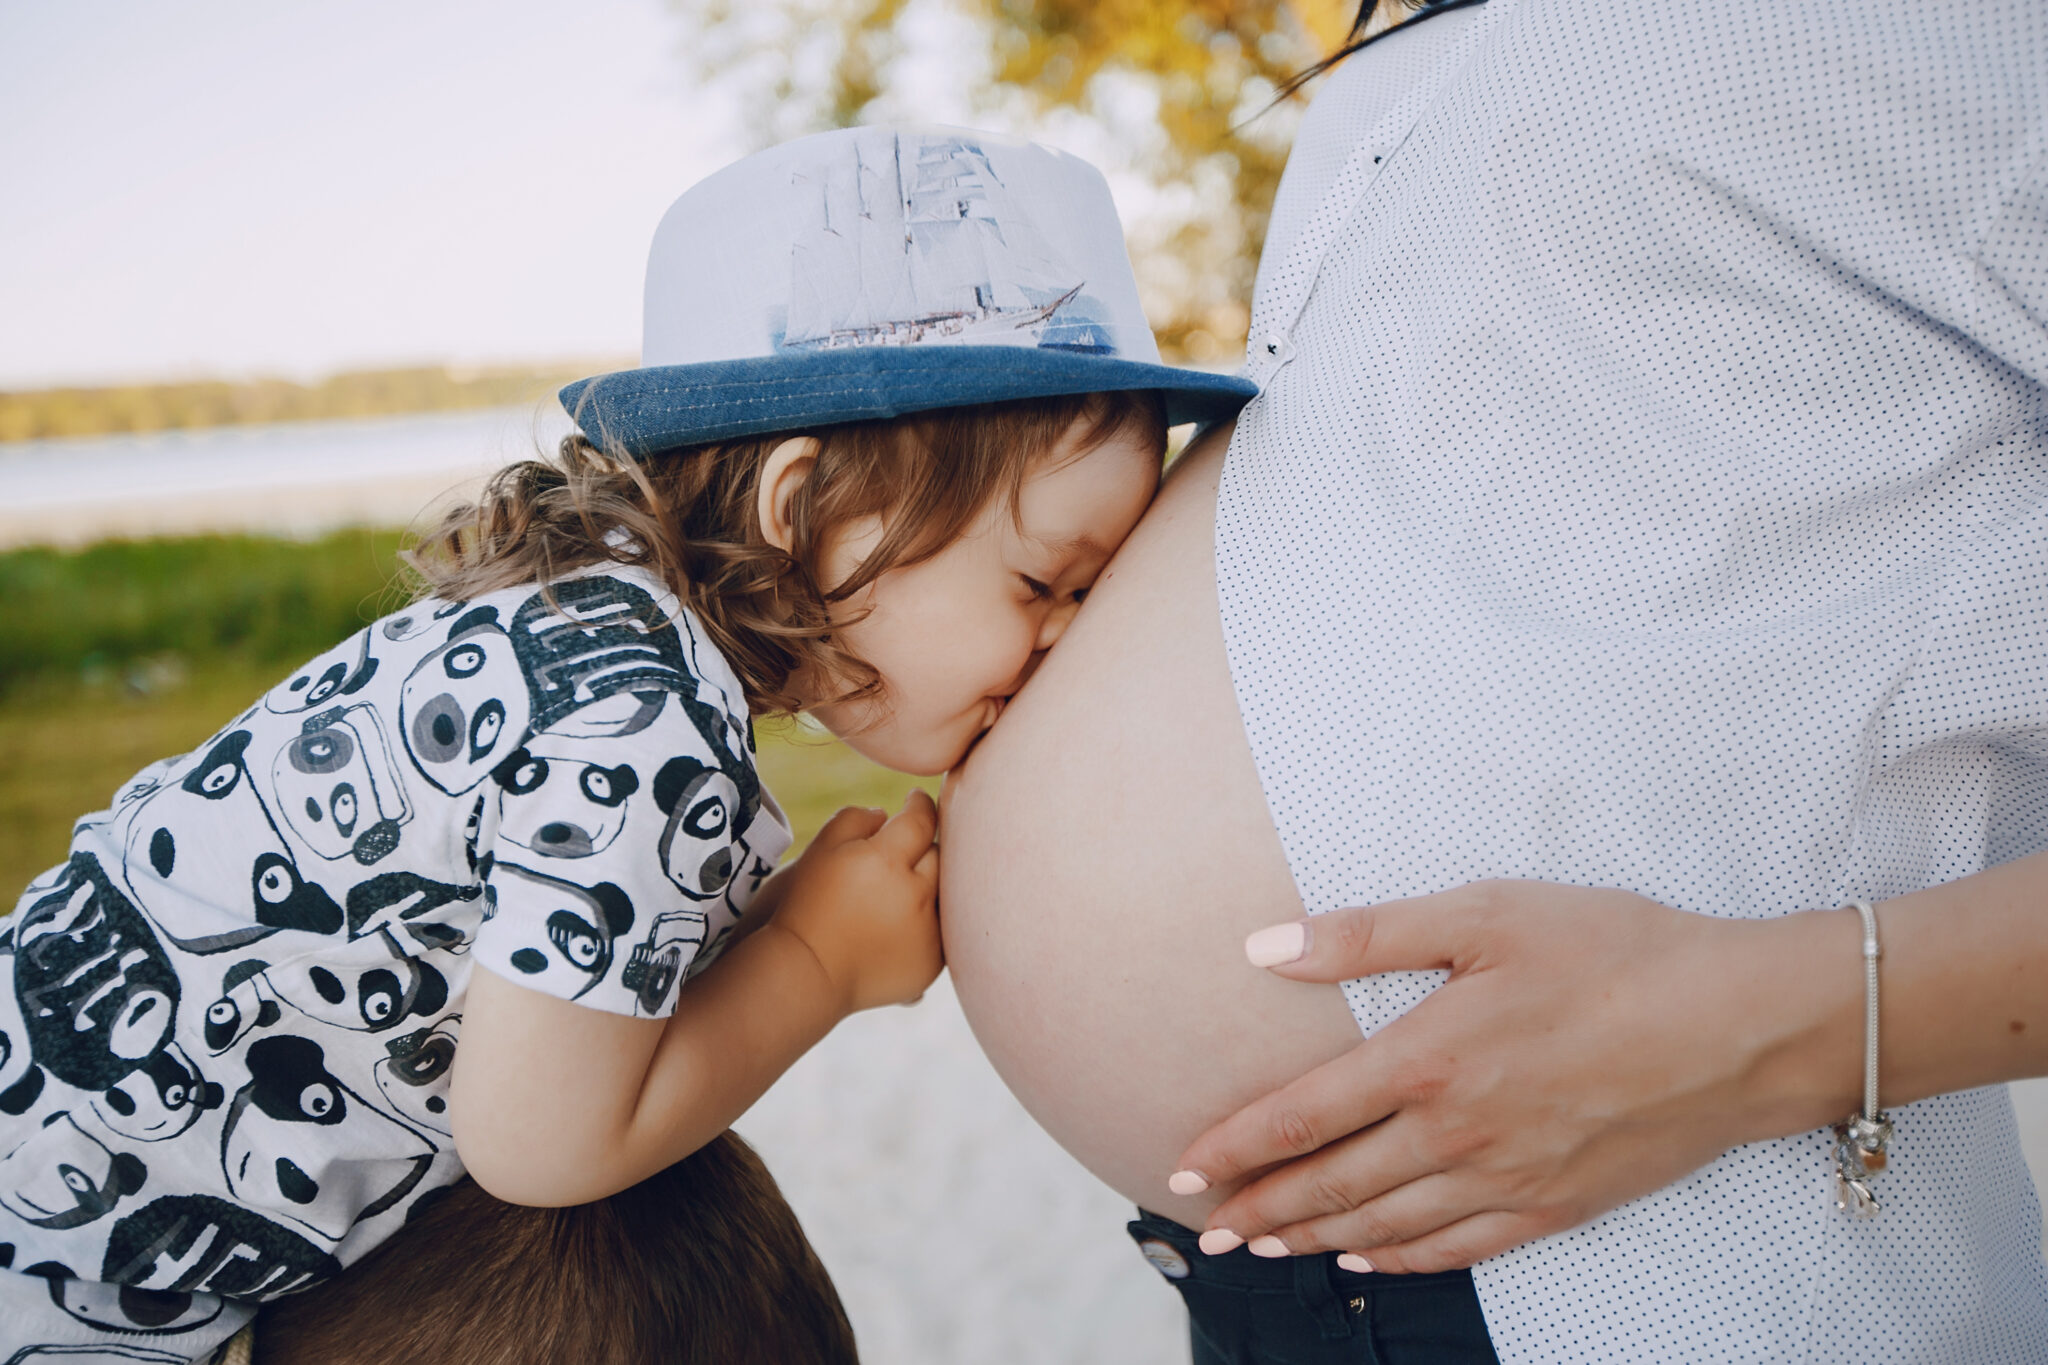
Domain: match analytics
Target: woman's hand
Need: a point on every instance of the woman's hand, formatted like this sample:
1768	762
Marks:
1590	1046
864	897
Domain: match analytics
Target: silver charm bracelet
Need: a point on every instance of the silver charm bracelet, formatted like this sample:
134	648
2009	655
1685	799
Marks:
1860	1139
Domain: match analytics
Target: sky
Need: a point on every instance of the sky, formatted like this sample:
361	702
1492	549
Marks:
235	187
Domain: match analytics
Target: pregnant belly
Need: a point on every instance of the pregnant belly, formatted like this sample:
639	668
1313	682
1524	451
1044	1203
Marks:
1107	848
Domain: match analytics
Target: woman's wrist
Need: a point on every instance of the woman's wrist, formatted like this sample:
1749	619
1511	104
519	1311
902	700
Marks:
1797	992
1965	982
1964	998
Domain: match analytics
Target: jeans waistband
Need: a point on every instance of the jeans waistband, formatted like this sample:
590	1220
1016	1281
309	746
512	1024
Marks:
1306	1310
1240	1269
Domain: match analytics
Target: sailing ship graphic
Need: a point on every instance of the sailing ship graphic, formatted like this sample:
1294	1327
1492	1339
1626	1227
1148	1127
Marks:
918	240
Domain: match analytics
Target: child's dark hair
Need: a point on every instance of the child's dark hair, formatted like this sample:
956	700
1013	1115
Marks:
689	516
1372	22
703	1262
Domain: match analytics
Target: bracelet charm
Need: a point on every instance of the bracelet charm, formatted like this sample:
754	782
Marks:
1859	1156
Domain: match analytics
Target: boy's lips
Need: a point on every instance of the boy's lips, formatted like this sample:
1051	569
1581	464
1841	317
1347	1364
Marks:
994	707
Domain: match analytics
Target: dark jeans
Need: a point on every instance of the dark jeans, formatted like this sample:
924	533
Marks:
1302	1310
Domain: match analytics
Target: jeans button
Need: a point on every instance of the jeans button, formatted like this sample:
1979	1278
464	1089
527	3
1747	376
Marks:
1165	1258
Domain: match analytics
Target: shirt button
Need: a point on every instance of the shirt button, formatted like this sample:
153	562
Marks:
1274	346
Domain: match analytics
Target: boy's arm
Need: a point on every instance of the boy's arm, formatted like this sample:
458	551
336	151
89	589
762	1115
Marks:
553	1103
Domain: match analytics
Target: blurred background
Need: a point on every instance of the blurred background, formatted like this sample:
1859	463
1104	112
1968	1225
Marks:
275	277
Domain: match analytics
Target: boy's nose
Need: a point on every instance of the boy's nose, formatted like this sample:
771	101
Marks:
1055	625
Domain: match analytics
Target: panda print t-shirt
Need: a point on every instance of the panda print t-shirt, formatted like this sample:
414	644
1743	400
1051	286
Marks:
224	1052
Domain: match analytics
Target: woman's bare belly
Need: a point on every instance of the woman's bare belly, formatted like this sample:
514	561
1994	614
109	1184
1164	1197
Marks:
1107	848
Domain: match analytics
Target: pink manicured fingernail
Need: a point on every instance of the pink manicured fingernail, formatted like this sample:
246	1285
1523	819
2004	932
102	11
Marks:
1279	944
1187	1182
1268	1246
1217	1241
1353	1262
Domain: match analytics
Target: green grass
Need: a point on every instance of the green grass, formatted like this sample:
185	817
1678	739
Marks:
130	652
120	606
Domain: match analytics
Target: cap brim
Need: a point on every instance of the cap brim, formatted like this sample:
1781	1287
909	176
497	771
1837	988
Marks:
664	406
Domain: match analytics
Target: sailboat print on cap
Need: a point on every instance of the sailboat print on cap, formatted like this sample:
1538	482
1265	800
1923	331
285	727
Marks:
919	241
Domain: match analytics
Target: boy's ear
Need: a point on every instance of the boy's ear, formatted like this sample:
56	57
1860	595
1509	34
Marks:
782	474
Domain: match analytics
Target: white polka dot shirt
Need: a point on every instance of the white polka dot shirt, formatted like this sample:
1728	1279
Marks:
1650	489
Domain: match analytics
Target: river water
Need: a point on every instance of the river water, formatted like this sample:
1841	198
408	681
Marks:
287	478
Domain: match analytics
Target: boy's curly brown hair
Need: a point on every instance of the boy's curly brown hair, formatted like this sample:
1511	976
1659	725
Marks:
689	517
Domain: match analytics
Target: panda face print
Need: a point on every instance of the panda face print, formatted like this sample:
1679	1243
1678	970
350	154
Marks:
133	1312
422	618
562	807
245	1003
339	673
580	941
465	706
702	805
193	838
370	987
412	1076
657	961
96	992
159	1099
582	924
301	1145
62	1177
338	789
286	900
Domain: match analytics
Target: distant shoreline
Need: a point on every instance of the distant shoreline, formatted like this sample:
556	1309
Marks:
56	413
296	479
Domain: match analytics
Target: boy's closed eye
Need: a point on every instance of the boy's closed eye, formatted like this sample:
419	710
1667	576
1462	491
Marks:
1039	590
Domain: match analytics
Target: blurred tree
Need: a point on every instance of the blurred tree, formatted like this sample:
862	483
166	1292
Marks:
1183	94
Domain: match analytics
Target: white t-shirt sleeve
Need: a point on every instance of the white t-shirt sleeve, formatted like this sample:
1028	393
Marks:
622	848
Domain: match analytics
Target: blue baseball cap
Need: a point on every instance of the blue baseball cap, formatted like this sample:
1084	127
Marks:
875	272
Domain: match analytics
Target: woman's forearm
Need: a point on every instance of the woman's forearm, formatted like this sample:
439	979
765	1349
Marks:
1964	982
1963	992
1963	988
